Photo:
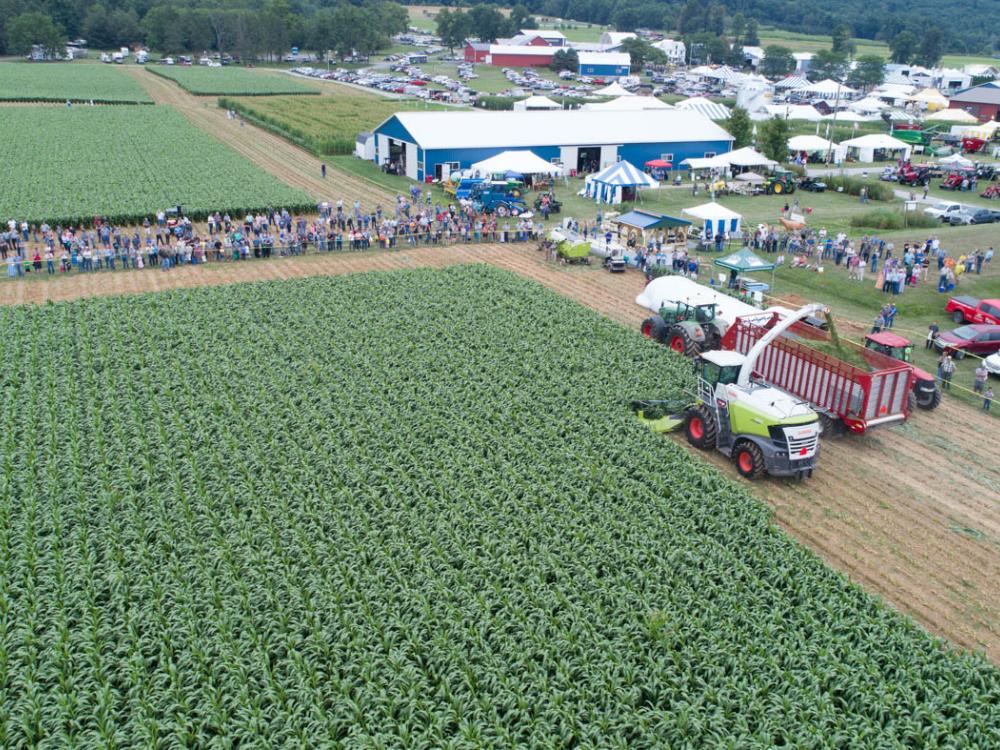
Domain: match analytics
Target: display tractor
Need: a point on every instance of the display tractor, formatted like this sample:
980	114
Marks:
779	182
492	197
762	429
687	329
925	390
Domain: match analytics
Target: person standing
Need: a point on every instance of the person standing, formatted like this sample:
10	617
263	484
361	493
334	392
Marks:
322	169
879	322
947	370
979	379
987	398
932	332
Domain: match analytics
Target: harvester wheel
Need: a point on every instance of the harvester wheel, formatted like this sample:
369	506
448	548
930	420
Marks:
749	459
700	427
929	400
681	342
958	317
653	328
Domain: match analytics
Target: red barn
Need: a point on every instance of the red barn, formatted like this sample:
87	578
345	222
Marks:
476	52
982	101
522	56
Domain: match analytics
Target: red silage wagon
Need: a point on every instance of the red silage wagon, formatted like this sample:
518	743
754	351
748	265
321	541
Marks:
837	390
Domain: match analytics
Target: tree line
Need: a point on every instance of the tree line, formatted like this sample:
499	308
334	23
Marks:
246	30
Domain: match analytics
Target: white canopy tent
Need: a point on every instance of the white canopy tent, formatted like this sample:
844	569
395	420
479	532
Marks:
812	144
747	157
931	99
794	112
615	89
848	116
536	103
952	115
522	162
868	105
865	146
698	163
628	104
717	218
611	183
955	160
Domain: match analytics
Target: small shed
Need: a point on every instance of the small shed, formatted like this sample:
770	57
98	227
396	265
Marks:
364	146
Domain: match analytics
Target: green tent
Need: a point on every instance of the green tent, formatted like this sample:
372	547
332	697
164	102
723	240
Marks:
744	261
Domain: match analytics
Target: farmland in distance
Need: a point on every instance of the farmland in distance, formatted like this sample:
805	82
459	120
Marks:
205	81
59	82
124	163
411	510
326	124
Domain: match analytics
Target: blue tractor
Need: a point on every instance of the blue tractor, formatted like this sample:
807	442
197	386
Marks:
500	198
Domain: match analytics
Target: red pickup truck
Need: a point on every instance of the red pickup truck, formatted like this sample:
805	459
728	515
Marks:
972	310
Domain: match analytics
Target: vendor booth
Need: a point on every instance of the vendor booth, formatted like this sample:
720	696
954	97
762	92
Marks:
640	227
718	220
816	149
876	147
742	262
619	182
515	162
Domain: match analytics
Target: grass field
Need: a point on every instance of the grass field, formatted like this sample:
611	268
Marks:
124	164
228	536
230	81
78	82
326	124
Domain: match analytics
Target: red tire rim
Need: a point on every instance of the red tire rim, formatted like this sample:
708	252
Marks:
677	344
746	461
696	428
647	330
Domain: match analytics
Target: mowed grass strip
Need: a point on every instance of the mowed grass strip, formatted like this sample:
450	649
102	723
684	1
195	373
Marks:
325	125
124	163
205	81
76	82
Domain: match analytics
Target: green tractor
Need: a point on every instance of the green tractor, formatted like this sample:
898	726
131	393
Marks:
780	182
687	329
762	429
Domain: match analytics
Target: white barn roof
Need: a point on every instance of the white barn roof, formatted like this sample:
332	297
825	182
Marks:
705	107
454	130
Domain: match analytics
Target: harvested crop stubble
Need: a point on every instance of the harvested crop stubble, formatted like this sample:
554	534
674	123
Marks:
125	163
59	82
410	509
205	81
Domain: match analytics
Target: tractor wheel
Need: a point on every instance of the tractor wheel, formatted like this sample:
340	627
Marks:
778	188
653	328
712	339
830	427
929	400
749	459
958	317
700	427
681	342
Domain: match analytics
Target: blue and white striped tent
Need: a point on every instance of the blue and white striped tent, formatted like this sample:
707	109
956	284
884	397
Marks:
718	219
607	186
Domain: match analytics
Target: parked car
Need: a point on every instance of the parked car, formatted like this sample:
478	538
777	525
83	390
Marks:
992	364
978	339
972	310
812	185
972	215
943	209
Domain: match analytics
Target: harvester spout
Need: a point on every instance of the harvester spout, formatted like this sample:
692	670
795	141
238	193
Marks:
751	359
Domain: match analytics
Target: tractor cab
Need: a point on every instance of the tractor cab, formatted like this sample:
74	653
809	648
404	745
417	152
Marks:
891	345
681	311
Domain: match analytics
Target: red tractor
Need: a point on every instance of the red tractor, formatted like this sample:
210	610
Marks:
911	175
953	181
993	191
973	145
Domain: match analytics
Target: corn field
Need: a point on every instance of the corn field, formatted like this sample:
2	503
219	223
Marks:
410	510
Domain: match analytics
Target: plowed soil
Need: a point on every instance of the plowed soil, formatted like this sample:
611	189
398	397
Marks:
910	512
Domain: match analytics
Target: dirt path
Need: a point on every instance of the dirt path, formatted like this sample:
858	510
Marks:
289	163
910	512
